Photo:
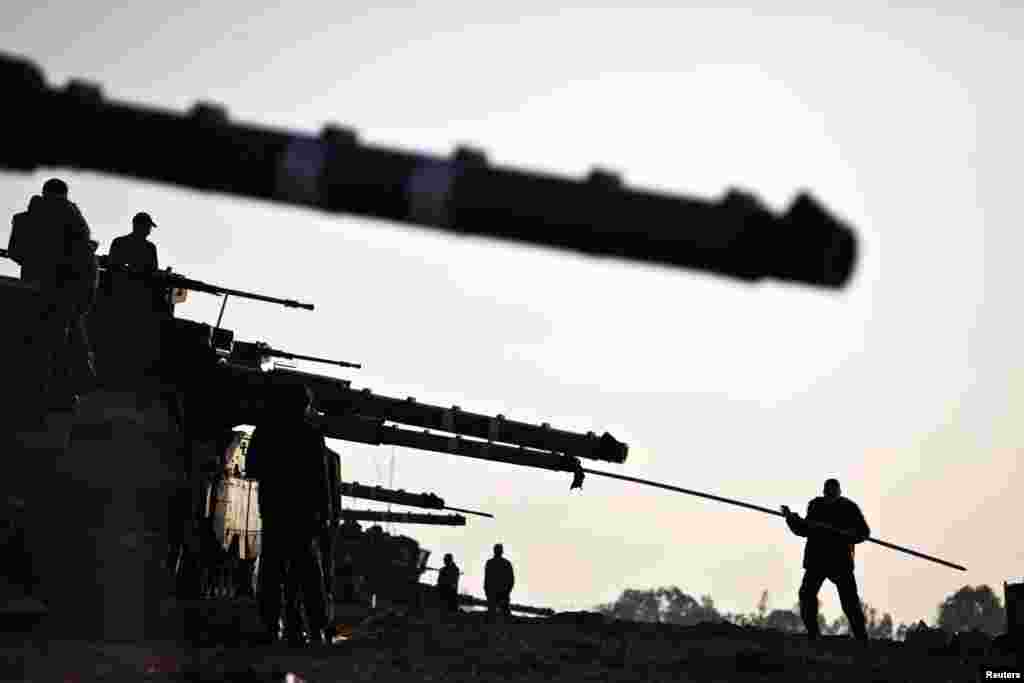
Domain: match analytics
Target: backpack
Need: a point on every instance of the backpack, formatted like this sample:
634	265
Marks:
24	244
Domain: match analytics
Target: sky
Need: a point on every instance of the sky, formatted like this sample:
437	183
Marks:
905	385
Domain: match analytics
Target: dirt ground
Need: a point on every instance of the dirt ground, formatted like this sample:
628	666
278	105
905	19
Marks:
564	648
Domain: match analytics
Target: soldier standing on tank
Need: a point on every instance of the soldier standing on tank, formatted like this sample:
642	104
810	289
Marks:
499	579
286	455
829	555
448	584
134	250
53	245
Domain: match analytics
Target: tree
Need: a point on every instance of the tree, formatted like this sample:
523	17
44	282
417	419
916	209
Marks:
840	626
877	627
665	604
971	608
784	620
632	605
762	609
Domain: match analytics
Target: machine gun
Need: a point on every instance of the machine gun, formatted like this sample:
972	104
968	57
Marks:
167	279
400	497
254	354
735	237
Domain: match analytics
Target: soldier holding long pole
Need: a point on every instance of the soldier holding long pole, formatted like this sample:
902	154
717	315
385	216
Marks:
829	555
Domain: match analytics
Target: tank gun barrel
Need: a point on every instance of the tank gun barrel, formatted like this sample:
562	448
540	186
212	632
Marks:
404	517
736	237
373	431
473	601
336	398
399	497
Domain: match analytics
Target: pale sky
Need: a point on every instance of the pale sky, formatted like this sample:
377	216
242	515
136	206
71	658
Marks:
905	386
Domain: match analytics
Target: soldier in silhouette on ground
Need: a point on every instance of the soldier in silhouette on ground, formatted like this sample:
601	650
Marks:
499	579
52	243
17	565
347	579
286	455
448	584
332	465
829	555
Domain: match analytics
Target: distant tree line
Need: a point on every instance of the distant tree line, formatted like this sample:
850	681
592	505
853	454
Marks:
969	608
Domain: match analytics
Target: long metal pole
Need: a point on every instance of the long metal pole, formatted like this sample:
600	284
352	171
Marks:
769	511
470	512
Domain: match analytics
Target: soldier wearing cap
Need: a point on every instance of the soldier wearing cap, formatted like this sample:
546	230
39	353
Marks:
134	250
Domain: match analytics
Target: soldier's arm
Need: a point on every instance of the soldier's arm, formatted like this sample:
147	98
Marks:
79	228
114	255
14	243
796	525
861	527
252	455
511	576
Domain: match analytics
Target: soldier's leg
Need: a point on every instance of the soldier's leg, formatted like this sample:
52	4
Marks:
326	547
293	621
83	359
310	573
850	600
809	589
270	581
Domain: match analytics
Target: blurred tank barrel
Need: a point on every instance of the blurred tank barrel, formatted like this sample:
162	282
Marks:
404	517
737	237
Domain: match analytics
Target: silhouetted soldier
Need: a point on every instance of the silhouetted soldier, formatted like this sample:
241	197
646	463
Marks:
448	584
16	566
829	555
134	250
24	243
347	579
499	579
332	464
286	455
53	242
